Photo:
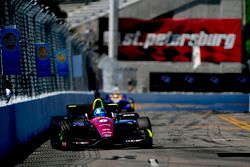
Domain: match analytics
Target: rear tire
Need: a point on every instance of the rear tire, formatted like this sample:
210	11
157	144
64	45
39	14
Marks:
144	123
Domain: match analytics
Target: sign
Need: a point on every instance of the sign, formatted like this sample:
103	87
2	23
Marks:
62	65
173	40
42	60
77	65
11	56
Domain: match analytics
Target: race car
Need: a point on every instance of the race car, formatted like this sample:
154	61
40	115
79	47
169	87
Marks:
125	104
87	125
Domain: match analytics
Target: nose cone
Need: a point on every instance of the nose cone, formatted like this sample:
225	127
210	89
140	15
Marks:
104	126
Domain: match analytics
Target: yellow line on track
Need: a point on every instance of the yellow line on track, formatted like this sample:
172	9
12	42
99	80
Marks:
241	124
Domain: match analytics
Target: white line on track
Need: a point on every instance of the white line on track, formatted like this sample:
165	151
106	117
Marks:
153	162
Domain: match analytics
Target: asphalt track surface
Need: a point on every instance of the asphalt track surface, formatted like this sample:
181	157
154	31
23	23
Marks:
193	138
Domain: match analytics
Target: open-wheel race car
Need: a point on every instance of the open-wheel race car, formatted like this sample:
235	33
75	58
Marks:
87	125
125	104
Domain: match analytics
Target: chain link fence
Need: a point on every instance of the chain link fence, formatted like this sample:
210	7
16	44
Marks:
37	24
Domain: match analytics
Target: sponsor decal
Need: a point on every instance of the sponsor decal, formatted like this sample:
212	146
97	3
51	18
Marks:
11	55
79	143
42	53
128	115
62	64
107	135
133	141
10	41
42	60
103	120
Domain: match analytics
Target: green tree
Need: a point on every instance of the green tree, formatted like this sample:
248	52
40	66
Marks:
248	11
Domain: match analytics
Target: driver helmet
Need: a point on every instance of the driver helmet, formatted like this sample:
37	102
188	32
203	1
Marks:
100	112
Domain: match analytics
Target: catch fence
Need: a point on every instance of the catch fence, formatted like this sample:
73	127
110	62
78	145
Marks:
37	24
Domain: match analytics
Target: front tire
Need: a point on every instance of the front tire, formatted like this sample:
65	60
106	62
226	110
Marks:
59	128
145	130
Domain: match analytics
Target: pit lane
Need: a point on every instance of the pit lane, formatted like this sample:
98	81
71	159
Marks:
182	137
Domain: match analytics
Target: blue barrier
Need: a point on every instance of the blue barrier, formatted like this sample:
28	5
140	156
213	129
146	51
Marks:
21	122
235	102
189	98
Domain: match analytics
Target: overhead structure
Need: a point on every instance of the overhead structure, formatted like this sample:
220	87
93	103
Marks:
80	13
113	29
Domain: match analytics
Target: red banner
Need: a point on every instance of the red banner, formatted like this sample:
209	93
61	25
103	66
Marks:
173	39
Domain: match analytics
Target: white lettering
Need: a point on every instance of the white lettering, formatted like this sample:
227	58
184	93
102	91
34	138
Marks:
136	38
160	38
128	39
150	40
169	39
176	40
203	39
229	41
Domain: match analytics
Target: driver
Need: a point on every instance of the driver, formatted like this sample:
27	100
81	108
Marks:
100	112
98	104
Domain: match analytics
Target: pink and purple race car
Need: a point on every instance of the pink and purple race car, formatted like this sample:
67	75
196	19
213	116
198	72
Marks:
87	125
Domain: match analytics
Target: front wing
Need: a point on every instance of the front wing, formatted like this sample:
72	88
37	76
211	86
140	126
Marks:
64	135
128	133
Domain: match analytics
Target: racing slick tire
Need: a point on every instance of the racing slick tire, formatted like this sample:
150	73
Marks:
145	131
59	128
144	123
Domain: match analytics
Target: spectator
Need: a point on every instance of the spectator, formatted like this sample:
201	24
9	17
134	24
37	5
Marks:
131	85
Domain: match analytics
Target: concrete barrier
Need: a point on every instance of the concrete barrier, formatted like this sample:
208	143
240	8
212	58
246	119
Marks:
21	122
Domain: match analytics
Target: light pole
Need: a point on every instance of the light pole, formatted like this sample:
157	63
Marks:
113	28
109	69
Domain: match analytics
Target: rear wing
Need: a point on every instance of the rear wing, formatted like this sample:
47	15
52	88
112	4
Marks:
112	107
78	109
81	109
